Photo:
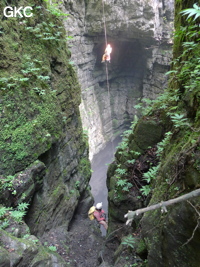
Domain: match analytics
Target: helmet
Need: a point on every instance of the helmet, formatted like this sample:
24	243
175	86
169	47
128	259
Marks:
99	206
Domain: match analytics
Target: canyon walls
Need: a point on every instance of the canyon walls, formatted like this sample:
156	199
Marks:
140	33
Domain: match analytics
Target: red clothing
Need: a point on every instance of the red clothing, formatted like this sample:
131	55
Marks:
99	215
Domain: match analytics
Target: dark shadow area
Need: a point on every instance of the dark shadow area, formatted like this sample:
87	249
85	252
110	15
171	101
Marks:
127	57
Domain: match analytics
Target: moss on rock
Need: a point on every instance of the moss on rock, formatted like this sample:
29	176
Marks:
35	81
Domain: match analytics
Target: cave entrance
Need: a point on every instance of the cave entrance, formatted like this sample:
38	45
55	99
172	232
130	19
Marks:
126	74
127	57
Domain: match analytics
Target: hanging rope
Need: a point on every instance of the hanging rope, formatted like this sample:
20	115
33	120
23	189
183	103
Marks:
106	66
108	85
106	42
104	22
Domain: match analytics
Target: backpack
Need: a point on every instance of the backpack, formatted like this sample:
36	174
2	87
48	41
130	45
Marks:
91	213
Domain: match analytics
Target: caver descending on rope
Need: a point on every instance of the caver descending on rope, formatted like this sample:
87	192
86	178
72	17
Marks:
108	50
106	55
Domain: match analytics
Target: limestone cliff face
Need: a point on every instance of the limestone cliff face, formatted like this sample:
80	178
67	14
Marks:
44	153
140	34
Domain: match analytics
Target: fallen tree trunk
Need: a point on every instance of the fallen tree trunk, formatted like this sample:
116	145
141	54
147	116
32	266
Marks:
131	214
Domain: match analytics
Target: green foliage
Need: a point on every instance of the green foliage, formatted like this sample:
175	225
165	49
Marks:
127	186
49	30
46	32
77	184
3	211
131	161
151	174
22	206
53	8
149	177
4	224
164	143
6	214
123	185
144	106
26	236
128	241
52	248
18	215
123	145
195	11
6	183
121	182
179	120
186	67
30	82
120	171
32	69
146	189
185	73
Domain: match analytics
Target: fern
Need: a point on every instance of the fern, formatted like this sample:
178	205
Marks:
127	187
195	11
17	215
178	120
128	241
163	143
3	211
146	189
120	171
121	182
22	206
4	224
131	161
150	175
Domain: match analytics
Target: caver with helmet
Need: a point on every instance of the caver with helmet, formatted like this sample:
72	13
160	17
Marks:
100	215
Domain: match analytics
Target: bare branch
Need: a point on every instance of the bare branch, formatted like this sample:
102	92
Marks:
131	214
195	226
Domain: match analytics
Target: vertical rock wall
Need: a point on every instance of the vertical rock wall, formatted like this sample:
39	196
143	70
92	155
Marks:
40	120
163	170
140	34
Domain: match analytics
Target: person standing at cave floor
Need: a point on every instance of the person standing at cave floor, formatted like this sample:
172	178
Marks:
106	55
100	215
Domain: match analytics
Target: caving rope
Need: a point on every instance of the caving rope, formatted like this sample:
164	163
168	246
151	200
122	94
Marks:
104	22
106	67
